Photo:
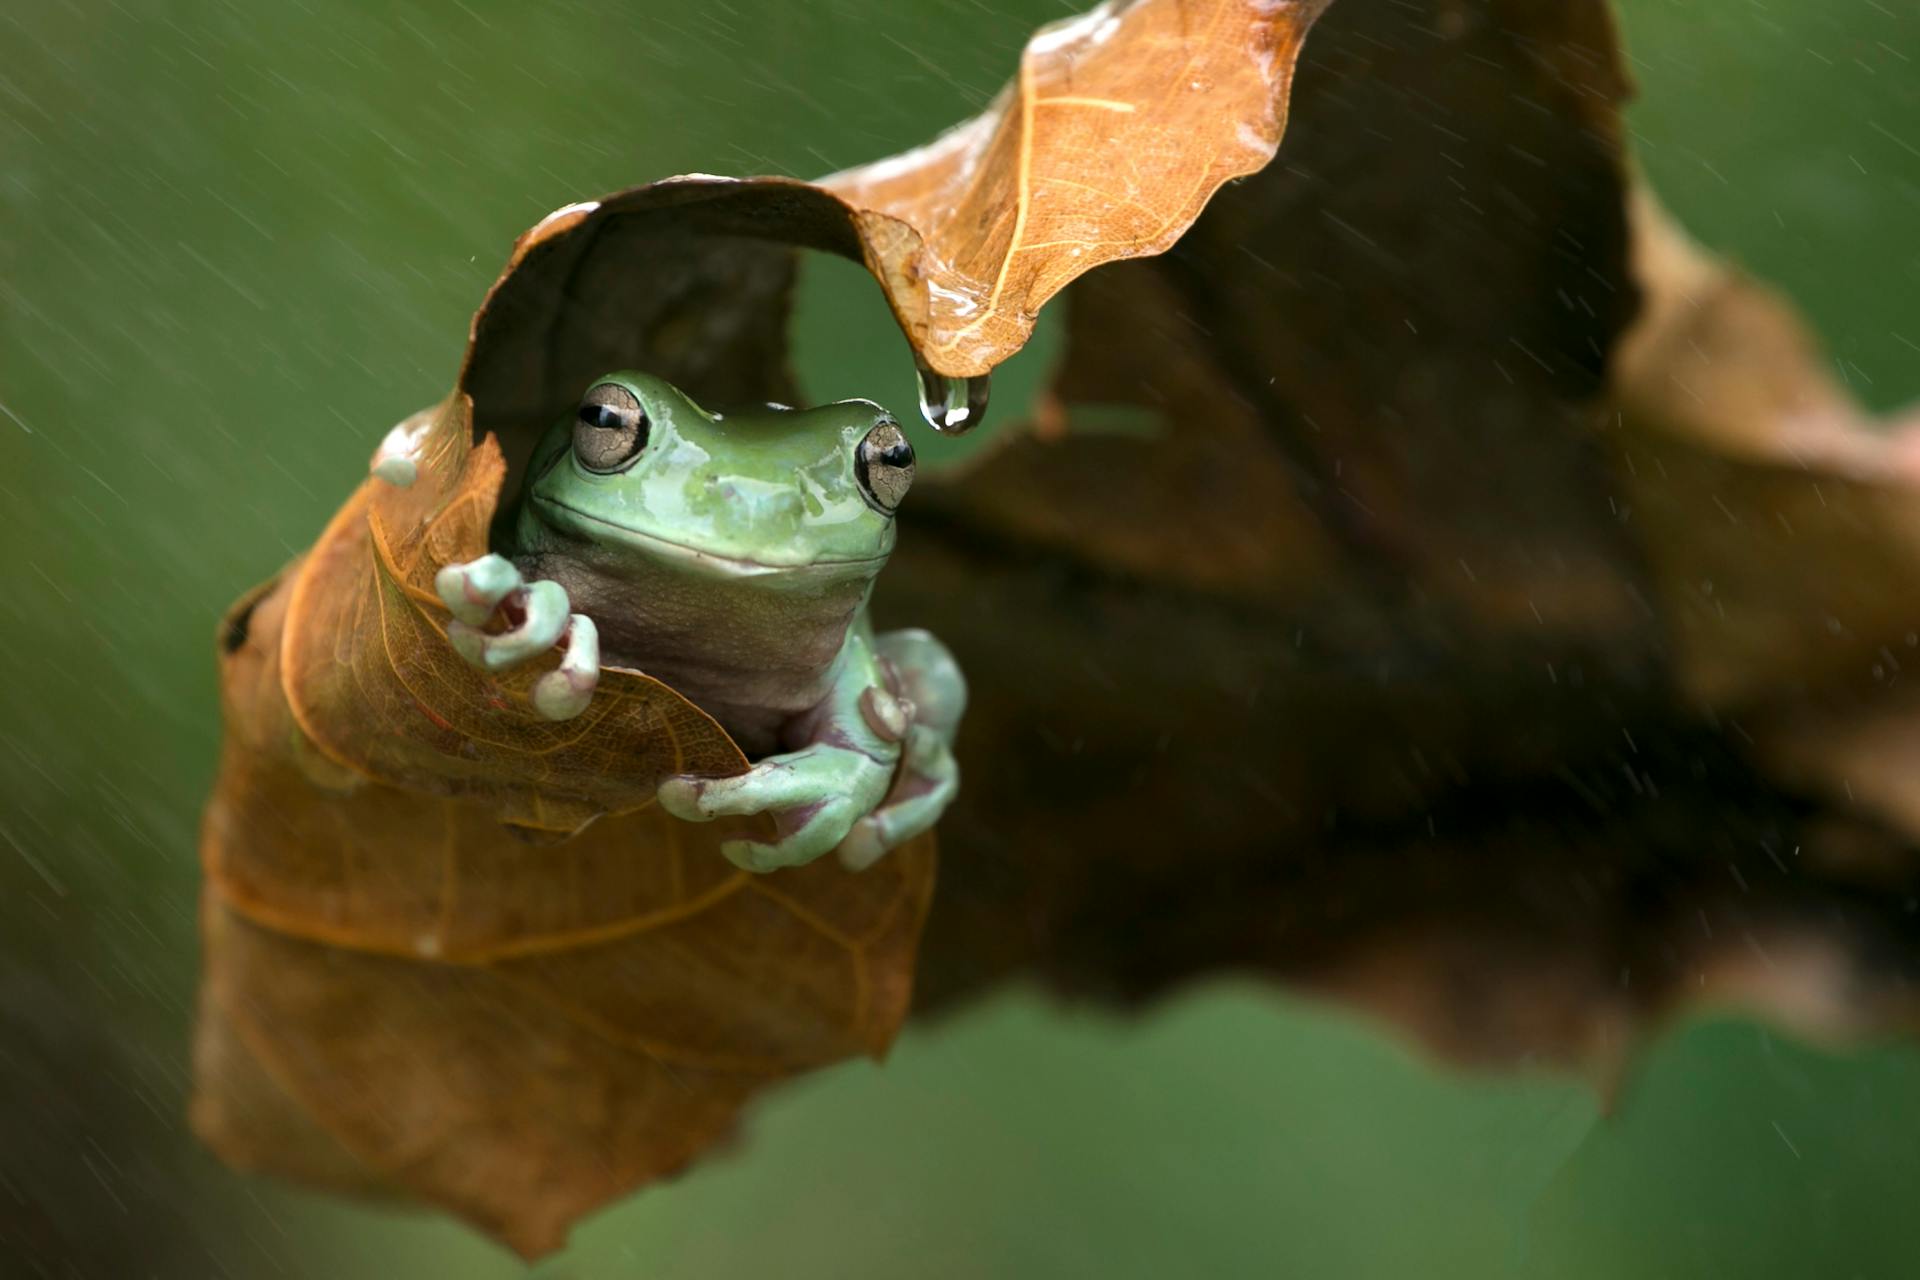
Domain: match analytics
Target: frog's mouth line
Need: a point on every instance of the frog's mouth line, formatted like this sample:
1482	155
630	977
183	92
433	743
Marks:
684	553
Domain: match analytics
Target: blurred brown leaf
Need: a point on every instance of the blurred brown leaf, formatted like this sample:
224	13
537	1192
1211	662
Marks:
1781	519
1394	626
1783	527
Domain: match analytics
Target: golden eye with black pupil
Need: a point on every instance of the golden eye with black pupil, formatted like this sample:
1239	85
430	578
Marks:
610	430
884	466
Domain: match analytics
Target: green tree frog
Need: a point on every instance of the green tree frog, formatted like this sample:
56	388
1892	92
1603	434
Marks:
730	557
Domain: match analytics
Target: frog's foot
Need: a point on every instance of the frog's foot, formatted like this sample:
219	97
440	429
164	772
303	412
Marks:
929	780
816	796
534	617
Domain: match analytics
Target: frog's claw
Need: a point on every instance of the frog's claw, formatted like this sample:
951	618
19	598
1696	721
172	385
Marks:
475	591
929	780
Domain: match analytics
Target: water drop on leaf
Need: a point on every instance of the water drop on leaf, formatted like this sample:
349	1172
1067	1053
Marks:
953	406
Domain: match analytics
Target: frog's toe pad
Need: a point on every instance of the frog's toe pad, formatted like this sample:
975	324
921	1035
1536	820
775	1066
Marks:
564	692
864	845
750	856
681	798
472	591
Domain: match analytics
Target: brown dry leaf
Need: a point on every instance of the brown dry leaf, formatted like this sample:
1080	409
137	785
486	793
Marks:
1782	521
401	994
1122	123
450	949
406	989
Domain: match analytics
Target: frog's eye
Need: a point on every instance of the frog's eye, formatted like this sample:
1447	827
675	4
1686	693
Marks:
884	465
611	429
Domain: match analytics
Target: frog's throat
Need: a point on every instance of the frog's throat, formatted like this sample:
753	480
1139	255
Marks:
568	519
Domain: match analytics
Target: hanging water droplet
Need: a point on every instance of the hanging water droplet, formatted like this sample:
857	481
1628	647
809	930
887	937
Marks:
953	406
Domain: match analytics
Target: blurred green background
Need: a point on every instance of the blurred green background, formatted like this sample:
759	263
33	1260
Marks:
238	241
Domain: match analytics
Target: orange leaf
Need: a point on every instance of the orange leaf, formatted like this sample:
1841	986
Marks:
1121	125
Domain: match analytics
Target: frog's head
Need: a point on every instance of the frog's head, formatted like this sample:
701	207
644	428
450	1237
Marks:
641	473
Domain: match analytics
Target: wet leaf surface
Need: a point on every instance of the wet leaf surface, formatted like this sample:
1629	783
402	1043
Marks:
1121	124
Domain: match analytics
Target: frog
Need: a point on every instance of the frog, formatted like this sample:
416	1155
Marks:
731	556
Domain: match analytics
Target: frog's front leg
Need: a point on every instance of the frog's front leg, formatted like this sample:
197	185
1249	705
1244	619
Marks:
834	791
537	616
